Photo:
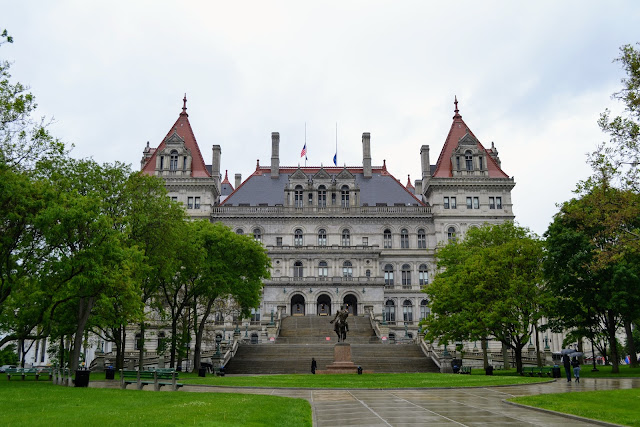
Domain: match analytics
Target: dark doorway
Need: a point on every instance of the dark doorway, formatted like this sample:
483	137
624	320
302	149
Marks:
297	305
352	304
324	305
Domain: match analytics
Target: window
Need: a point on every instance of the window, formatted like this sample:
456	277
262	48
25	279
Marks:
310	199
174	198
480	162
498	202
240	231
333	199
469	203
423	275
388	275
347	269
298	196
424	309
323	269
367	273
196	203
476	203
346	238
453	203
255	314
297	237
257	234
446	203
365	241
387	239
451	234
407	311
406	276
458	163
468	160
422	239
184	163
322	237
278	241
297	269
404	238
173	162
137	345
389	311
189	202
161	162
492	203
322	197
345	196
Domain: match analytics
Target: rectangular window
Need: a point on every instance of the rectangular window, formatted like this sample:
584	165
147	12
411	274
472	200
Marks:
196	204
480	162
453	203
458	163
365	241
492	203
184	163
476	203
174	198
278	241
161	162
310	199
446	203
469	203
189	202
498	202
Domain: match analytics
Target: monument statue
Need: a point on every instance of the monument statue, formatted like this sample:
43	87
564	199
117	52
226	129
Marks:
341	326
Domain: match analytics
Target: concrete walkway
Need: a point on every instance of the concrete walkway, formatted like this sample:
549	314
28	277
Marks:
433	407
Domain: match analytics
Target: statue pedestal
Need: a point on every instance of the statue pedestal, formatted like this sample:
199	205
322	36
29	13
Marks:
342	363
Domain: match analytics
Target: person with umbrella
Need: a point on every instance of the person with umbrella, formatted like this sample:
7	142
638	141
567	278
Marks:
566	361
576	365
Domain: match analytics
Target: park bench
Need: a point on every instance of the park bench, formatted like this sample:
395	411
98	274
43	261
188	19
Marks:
465	370
157	377
535	371
28	372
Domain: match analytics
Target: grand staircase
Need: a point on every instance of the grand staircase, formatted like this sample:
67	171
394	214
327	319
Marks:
303	338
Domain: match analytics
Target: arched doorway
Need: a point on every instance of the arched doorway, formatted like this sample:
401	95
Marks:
324	305
297	305
351	302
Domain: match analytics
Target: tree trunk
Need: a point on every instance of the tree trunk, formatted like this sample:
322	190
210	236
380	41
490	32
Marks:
124	341
199	333
630	344
581	350
84	310
611	332
485	353
538	355
505	356
174	341
518	353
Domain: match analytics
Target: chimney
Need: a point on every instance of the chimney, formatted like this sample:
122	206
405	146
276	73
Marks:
238	180
215	165
418	186
366	154
275	152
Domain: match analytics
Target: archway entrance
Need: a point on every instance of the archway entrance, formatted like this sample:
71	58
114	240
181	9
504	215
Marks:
352	304
297	305
324	305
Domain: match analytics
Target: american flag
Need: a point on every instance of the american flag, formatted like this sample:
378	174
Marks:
304	150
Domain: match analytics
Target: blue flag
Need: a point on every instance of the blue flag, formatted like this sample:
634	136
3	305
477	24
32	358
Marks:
335	159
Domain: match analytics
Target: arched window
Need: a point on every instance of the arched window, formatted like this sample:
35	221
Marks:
322	196
367	273
407	311
468	160
297	269
389	311
346	237
347	269
298	196
297	237
323	269
345	196
386	239
138	344
423	275
404	238
173	161
388	275
422	239
424	309
240	231
451	234
257	234
322	237
406	276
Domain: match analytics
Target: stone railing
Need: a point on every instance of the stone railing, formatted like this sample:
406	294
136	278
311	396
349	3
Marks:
315	210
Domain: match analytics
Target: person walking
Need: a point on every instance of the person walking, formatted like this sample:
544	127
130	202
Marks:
576	368
566	361
314	365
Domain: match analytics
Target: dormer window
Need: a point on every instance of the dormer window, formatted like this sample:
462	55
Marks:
468	160
298	196
345	196
322	197
173	162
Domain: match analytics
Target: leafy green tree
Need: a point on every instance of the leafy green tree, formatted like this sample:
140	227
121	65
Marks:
489	285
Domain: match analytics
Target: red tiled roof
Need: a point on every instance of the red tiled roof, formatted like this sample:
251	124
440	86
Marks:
183	128
458	130
226	177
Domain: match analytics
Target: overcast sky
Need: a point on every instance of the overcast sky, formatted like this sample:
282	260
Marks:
532	79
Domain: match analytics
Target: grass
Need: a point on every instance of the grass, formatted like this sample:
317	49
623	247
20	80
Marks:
613	406
41	403
605	371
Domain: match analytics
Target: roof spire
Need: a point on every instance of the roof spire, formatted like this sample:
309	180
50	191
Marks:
184	104
456	111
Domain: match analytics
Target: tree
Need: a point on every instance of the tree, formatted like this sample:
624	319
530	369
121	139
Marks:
489	286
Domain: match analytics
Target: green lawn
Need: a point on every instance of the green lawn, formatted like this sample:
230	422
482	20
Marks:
32	403
605	372
613	406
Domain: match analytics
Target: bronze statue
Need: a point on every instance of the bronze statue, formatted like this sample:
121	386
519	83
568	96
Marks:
341	326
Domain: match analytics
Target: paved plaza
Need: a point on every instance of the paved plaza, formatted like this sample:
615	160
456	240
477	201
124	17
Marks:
433	407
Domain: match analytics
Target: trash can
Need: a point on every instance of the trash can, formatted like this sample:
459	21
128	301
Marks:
489	370
555	371
202	372
110	373
359	370
82	378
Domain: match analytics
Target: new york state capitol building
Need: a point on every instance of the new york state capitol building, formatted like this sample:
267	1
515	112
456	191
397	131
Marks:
351	235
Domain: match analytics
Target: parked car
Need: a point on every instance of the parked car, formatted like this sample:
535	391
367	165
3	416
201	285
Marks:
4	368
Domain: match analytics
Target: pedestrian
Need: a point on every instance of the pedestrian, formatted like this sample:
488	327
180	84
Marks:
314	365
566	361
576	368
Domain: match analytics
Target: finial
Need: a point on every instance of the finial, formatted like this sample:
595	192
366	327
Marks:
226	175
257	164
456	104
408	179
184	104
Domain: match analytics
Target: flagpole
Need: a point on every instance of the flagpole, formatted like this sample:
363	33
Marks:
336	156
305	144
